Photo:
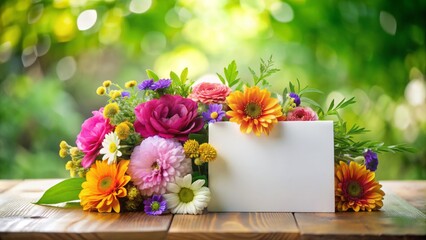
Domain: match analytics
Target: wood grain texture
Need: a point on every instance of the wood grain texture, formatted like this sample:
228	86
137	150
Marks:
414	192
396	220
7	184
234	226
19	218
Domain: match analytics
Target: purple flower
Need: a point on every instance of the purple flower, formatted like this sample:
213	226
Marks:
161	84
295	97
145	85
125	94
155	205
371	160
214	114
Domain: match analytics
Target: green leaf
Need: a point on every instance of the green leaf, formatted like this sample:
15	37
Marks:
184	75
199	137
309	90
231	75
310	102
222	79
152	75
64	191
175	78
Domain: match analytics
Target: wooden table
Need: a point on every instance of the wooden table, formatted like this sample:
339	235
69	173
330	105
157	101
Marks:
402	217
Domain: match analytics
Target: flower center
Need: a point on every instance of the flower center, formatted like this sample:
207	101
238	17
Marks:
214	115
186	195
354	189
155	166
253	110
105	183
155	206
112	147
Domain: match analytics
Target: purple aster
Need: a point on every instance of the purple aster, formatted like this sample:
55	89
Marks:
371	160
214	114
125	94
155	205
145	85
161	84
295	97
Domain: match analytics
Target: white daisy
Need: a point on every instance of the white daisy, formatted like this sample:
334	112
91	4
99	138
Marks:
110	147
186	198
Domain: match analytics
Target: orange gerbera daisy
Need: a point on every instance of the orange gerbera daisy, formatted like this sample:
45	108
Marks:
254	110
356	188
104	185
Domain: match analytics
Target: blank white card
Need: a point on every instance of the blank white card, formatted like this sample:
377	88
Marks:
291	170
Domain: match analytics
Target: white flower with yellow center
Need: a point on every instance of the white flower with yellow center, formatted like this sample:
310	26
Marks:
187	197
110	148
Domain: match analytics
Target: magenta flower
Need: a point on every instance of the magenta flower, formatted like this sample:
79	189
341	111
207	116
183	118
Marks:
302	114
90	138
168	117
156	162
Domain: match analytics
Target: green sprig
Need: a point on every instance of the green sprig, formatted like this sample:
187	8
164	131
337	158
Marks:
265	70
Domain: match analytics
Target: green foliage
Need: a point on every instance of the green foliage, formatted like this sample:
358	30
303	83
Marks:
181	85
65	191
231	78
265	70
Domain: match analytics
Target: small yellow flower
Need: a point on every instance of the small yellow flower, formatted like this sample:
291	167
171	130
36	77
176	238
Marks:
69	166
100	91
191	148
106	83
111	109
132	193
198	162
63	153
74	151
130	84
63	145
122	130
207	152
115	94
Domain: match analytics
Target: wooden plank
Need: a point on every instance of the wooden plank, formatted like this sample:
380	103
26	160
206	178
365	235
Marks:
414	192
234	226
396	220
19	218
8	184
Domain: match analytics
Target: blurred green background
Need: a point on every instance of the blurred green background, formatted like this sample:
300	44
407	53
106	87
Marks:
54	54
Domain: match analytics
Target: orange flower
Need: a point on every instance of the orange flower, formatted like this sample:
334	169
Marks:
356	188
254	110
104	185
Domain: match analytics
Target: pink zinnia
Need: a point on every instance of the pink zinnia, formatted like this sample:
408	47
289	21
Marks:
90	138
302	114
156	162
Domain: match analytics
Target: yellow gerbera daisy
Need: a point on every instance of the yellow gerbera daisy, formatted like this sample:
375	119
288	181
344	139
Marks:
254	110
356	188
104	185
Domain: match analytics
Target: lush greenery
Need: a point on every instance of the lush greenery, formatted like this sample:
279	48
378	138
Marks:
54	54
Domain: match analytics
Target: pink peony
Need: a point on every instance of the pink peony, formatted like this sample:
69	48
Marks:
302	114
208	93
156	162
168	117
90	138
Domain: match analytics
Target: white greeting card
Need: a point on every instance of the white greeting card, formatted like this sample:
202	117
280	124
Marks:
291	170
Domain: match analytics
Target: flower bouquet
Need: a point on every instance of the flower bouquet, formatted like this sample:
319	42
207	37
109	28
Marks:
147	149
